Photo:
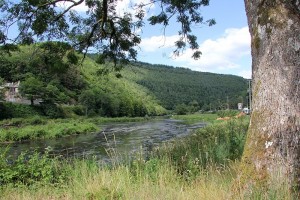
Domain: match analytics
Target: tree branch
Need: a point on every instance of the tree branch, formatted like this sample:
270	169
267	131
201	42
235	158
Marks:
67	10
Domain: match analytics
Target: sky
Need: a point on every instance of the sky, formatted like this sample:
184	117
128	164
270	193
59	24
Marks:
225	46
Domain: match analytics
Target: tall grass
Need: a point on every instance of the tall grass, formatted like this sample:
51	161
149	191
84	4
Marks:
216	144
154	179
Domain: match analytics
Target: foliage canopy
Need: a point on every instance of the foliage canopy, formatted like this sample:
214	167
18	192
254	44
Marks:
114	35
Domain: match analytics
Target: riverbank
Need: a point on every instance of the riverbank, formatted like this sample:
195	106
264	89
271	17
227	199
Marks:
37	127
196	118
42	128
201	166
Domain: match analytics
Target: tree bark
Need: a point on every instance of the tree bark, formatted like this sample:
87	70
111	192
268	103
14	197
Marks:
272	150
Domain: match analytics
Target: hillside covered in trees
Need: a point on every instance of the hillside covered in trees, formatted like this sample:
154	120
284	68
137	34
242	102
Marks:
56	74
174	86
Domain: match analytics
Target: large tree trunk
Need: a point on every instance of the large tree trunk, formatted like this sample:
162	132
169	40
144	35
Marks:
272	151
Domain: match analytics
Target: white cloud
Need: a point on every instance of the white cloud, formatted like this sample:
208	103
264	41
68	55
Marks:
222	53
154	43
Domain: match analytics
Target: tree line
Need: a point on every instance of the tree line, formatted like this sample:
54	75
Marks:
176	86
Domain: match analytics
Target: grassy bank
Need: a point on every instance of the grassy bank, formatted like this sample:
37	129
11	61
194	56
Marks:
35	128
102	120
38	127
196	118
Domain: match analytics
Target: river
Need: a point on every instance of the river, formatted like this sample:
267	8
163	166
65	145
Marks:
114	141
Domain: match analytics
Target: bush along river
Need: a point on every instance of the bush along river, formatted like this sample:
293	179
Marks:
113	142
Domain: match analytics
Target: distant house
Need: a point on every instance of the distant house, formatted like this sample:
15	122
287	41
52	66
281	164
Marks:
13	95
12	92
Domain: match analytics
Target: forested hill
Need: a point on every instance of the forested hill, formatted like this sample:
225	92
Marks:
173	86
53	72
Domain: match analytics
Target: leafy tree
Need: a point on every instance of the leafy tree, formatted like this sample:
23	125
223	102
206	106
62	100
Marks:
53	95
88	99
181	109
53	63
32	88
194	106
112	34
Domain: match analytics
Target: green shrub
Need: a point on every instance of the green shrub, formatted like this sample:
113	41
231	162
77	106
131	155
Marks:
181	109
5	113
73	111
78	110
36	120
30	169
52	110
21	122
13	110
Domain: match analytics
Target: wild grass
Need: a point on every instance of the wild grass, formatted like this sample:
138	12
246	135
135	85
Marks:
101	120
35	128
153	179
216	144
196	118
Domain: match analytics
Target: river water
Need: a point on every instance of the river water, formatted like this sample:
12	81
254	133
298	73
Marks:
115	140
